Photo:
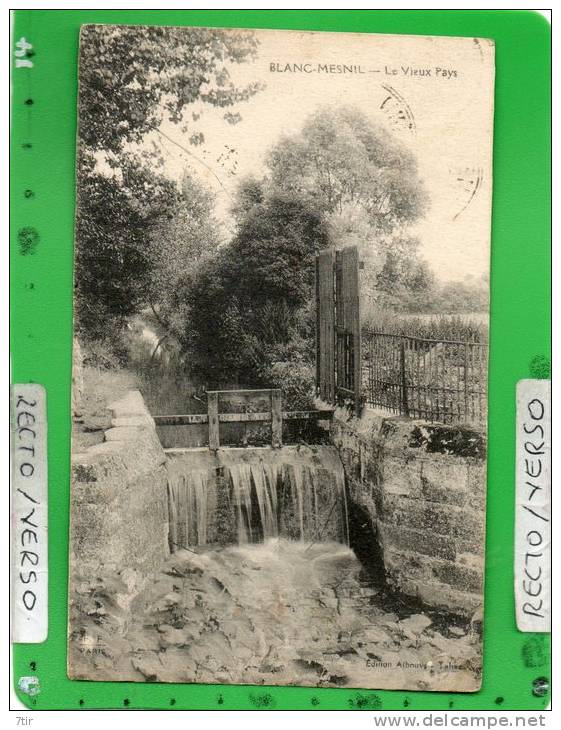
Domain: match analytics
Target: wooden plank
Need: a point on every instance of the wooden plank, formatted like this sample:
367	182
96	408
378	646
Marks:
276	419
191	419
345	391
325	415
351	308
244	417
318	327
213	423
188	419
262	391
340	330
326	261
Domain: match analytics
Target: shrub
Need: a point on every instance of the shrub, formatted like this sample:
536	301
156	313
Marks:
297	382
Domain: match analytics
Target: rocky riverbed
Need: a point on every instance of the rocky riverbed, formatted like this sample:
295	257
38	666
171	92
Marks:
276	613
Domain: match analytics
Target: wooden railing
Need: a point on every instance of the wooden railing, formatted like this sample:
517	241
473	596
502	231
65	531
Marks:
275	415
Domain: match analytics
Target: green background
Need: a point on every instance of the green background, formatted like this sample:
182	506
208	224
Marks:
44	115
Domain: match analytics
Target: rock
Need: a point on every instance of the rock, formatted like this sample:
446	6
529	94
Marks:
169	666
178	637
456	631
389	619
477	619
149	665
77	379
96	422
415	625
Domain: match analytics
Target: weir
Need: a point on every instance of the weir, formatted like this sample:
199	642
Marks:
249	495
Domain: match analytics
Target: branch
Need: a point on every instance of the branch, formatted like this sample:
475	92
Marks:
165	324
157	347
198	159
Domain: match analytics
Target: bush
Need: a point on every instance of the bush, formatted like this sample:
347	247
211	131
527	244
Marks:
297	382
247	303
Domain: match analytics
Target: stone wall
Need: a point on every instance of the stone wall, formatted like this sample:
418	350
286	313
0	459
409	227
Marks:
422	488
119	513
118	533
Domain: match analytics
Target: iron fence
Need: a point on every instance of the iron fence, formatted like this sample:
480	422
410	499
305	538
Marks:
437	380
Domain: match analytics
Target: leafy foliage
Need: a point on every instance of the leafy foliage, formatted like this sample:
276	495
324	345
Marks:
367	187
425	295
178	244
250	304
132	77
404	276
113	262
296	380
340	181
136	230
343	162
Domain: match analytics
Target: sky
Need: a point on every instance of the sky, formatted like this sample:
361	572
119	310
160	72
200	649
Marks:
444	117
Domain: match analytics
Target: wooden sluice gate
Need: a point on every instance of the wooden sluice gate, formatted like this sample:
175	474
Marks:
260	406
219	493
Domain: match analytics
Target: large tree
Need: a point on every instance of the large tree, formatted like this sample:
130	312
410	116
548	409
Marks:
134	77
351	168
131	80
364	181
248	305
113	260
178	244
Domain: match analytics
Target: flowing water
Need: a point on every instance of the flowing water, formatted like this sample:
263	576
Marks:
263	588
251	495
282	612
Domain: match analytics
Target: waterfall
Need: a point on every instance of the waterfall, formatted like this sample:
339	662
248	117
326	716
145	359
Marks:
261	480
188	509
253	495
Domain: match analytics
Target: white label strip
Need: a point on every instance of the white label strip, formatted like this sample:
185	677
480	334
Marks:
532	559
29	514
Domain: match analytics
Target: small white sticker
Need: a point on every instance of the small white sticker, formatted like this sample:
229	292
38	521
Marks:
532	568
29	514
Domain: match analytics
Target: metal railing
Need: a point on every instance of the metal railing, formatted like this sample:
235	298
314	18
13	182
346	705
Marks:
437	380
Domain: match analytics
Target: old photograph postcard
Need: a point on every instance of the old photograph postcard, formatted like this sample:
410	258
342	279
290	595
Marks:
279	406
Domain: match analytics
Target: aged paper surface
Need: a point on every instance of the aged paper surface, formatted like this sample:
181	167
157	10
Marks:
280	359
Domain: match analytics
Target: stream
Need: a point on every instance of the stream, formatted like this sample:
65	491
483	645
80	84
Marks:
283	612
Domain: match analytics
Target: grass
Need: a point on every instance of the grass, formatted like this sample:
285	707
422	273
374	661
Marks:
464	328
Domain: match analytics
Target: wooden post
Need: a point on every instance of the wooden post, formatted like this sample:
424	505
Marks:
355	325
276	419
213	424
326	323
404	403
341	349
318	330
466	383
348	318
